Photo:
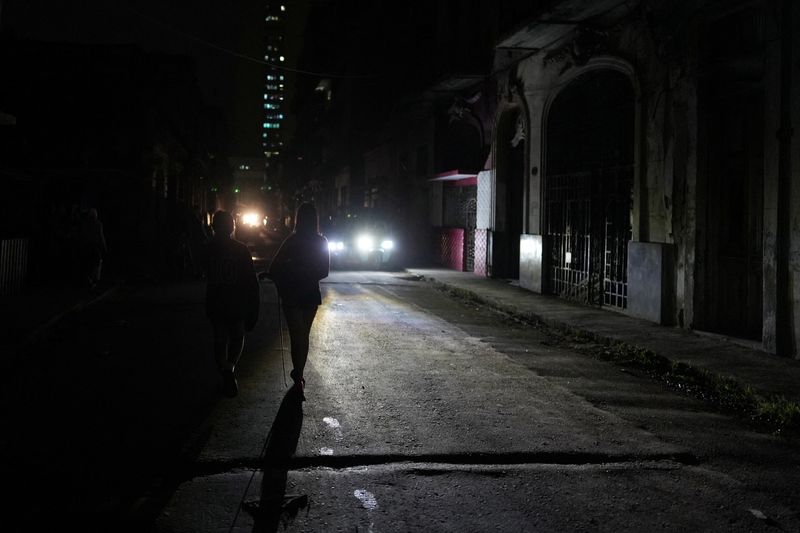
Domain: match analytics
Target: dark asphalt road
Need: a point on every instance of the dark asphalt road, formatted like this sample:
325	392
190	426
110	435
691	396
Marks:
117	408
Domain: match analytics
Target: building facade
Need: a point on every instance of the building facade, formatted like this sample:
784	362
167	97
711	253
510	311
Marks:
274	104
642	162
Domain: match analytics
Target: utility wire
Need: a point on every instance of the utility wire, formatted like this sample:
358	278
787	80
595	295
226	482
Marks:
245	56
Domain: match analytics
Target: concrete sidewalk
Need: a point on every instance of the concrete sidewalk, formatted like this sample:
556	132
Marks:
768	375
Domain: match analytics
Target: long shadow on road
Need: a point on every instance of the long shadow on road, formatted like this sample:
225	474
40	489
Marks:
274	505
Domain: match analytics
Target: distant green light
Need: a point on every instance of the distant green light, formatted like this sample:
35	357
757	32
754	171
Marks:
236	190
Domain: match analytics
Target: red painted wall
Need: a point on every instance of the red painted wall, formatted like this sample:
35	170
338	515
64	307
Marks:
451	248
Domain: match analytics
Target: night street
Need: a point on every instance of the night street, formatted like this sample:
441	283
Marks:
424	412
427	414
384	266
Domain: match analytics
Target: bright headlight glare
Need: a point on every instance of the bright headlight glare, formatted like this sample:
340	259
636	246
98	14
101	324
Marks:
335	246
251	219
365	243
387	244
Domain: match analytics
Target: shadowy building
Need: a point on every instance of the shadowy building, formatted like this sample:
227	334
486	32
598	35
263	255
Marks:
635	156
112	128
654	177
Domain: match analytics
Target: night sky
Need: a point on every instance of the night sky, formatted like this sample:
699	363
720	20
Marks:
213	32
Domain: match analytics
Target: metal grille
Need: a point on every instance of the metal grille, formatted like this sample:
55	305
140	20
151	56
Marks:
618	196
569	231
451	248
617	235
470	210
481	245
460	210
483	216
453	212
13	265
588	229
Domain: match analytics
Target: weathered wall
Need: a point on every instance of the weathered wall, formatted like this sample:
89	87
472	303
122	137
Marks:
670	191
794	253
664	160
772	95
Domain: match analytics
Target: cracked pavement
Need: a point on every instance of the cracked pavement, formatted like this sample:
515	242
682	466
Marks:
426	413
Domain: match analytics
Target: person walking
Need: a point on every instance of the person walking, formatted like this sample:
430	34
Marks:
232	297
300	263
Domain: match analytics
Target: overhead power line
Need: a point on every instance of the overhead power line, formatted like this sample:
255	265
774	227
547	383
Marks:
246	57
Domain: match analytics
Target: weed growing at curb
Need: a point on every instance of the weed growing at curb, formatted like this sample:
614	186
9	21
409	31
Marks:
776	415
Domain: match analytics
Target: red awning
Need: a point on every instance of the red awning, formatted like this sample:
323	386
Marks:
454	177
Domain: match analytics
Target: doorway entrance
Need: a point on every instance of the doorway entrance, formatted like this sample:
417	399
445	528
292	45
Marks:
731	104
588	189
509	195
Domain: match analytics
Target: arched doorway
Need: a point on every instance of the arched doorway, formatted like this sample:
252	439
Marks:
509	195
588	188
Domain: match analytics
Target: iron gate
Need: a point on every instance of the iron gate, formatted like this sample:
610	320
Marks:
470	213
588	228
460	211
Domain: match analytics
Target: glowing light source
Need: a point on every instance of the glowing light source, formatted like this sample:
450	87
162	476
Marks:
387	244
251	219
365	243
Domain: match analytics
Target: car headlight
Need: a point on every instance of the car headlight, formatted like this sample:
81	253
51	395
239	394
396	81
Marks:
335	246
251	219
365	243
387	244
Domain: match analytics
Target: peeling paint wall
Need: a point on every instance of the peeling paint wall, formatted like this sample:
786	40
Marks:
671	188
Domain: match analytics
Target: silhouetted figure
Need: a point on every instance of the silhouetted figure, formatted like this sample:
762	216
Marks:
302	260
92	247
232	297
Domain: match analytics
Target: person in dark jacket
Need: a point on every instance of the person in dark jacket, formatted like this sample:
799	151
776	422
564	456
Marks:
232	297
301	262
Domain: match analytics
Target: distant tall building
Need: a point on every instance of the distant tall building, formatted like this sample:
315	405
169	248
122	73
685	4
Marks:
272	137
